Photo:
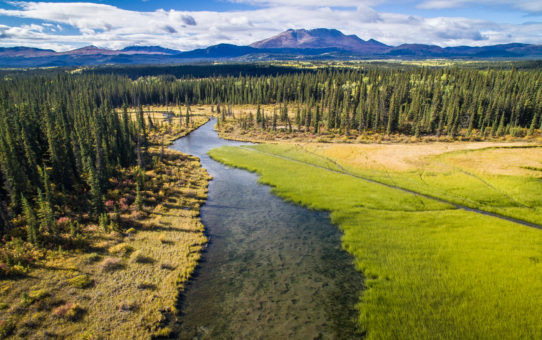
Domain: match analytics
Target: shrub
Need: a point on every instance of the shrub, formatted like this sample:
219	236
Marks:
109	204
110	264
70	311
92	257
33	296
124	204
121	249
6	328
63	222
81	281
139	257
17	252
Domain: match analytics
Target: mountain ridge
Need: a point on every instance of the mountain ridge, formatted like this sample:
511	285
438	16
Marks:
300	44
320	38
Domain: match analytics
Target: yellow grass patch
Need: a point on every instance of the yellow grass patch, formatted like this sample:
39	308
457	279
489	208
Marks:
408	157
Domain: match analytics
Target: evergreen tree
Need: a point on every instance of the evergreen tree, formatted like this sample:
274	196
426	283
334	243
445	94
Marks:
31	221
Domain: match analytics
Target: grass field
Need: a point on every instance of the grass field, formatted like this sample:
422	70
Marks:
122	282
432	271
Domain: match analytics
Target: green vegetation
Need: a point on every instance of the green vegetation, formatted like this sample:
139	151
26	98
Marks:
432	271
81	281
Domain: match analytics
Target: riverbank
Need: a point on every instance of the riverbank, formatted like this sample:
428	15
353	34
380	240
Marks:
432	271
123	278
282	123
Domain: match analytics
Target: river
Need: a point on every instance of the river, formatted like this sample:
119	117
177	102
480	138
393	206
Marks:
272	270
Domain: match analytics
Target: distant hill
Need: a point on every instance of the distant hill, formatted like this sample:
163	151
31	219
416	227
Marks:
25	52
91	50
300	44
219	51
149	50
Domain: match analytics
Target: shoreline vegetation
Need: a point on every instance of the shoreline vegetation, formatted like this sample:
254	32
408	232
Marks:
239	123
431	271
121	278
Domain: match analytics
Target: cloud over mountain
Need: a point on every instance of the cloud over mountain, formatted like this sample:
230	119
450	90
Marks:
70	25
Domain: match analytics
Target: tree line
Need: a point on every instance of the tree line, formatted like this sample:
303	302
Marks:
62	136
60	142
411	100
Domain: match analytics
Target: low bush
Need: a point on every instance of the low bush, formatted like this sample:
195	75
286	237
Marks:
92	257
69	311
111	264
81	281
33	296
139	257
121	249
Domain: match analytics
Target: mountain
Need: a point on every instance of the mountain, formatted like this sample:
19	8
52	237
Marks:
301	44
320	38
416	50
25	52
90	50
149	50
219	51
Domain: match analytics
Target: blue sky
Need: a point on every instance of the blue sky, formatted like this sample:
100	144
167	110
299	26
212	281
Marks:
189	24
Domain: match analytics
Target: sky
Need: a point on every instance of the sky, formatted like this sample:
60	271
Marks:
188	24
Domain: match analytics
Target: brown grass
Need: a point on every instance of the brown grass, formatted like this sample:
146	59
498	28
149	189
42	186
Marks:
409	157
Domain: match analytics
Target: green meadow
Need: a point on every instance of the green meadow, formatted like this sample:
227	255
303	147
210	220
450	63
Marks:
431	271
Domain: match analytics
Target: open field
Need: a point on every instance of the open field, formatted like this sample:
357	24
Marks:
121	280
432	271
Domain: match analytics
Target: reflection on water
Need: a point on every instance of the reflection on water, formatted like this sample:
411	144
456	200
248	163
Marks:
273	270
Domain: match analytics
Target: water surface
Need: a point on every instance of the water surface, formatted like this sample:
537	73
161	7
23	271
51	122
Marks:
273	270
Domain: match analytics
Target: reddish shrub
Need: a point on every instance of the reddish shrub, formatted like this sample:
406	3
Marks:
110	204
123	204
70	311
63	221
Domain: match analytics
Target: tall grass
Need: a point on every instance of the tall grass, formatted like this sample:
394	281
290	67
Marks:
432	272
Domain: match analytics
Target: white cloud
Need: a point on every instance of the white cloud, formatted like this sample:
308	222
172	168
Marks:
112	27
311	3
531	6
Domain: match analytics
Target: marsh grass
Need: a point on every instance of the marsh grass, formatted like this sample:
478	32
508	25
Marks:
432	272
